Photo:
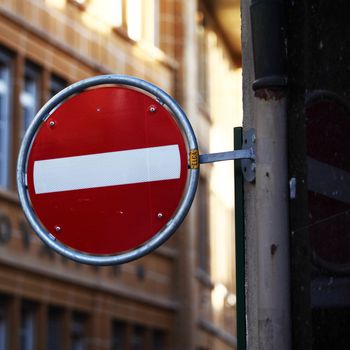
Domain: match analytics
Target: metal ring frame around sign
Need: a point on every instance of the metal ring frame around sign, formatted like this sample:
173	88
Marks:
161	236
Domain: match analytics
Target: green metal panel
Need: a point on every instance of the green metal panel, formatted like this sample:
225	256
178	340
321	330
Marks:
240	244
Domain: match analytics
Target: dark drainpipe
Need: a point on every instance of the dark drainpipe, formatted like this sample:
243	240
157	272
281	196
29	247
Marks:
268	21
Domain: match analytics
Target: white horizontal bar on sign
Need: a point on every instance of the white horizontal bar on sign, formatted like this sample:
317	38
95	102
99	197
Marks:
107	169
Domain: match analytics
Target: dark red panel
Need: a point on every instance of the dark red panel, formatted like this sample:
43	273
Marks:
327	127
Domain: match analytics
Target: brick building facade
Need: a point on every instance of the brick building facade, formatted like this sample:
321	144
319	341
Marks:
182	295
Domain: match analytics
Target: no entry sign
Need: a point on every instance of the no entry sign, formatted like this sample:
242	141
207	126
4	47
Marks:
103	172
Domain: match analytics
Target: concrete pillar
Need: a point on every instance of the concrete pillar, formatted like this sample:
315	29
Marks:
266	210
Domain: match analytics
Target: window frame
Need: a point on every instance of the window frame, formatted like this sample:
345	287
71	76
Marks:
6	62
33	72
124	28
4	323
57	84
28	326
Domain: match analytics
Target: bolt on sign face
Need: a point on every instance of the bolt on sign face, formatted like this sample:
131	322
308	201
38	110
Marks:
107	170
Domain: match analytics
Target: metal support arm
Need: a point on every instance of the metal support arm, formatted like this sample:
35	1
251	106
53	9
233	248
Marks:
231	155
247	155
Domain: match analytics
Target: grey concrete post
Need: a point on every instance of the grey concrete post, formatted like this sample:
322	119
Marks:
266	208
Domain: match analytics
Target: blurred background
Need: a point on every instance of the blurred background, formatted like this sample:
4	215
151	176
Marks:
182	296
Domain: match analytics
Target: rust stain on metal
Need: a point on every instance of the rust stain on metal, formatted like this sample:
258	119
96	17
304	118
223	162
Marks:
273	249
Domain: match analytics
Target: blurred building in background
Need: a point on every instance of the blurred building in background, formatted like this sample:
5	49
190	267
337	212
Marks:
182	296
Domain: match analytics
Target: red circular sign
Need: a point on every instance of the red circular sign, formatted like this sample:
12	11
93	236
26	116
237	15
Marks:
107	170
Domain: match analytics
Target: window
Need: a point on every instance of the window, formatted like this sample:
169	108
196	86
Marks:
54	329
202	59
120	14
29	97
5	110
150	21
138	338
134	20
203	225
139	19
78	332
56	85
159	340
154	36
3	323
27	330
118	335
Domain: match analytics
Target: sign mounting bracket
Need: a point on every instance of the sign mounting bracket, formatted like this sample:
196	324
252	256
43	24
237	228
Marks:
246	154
